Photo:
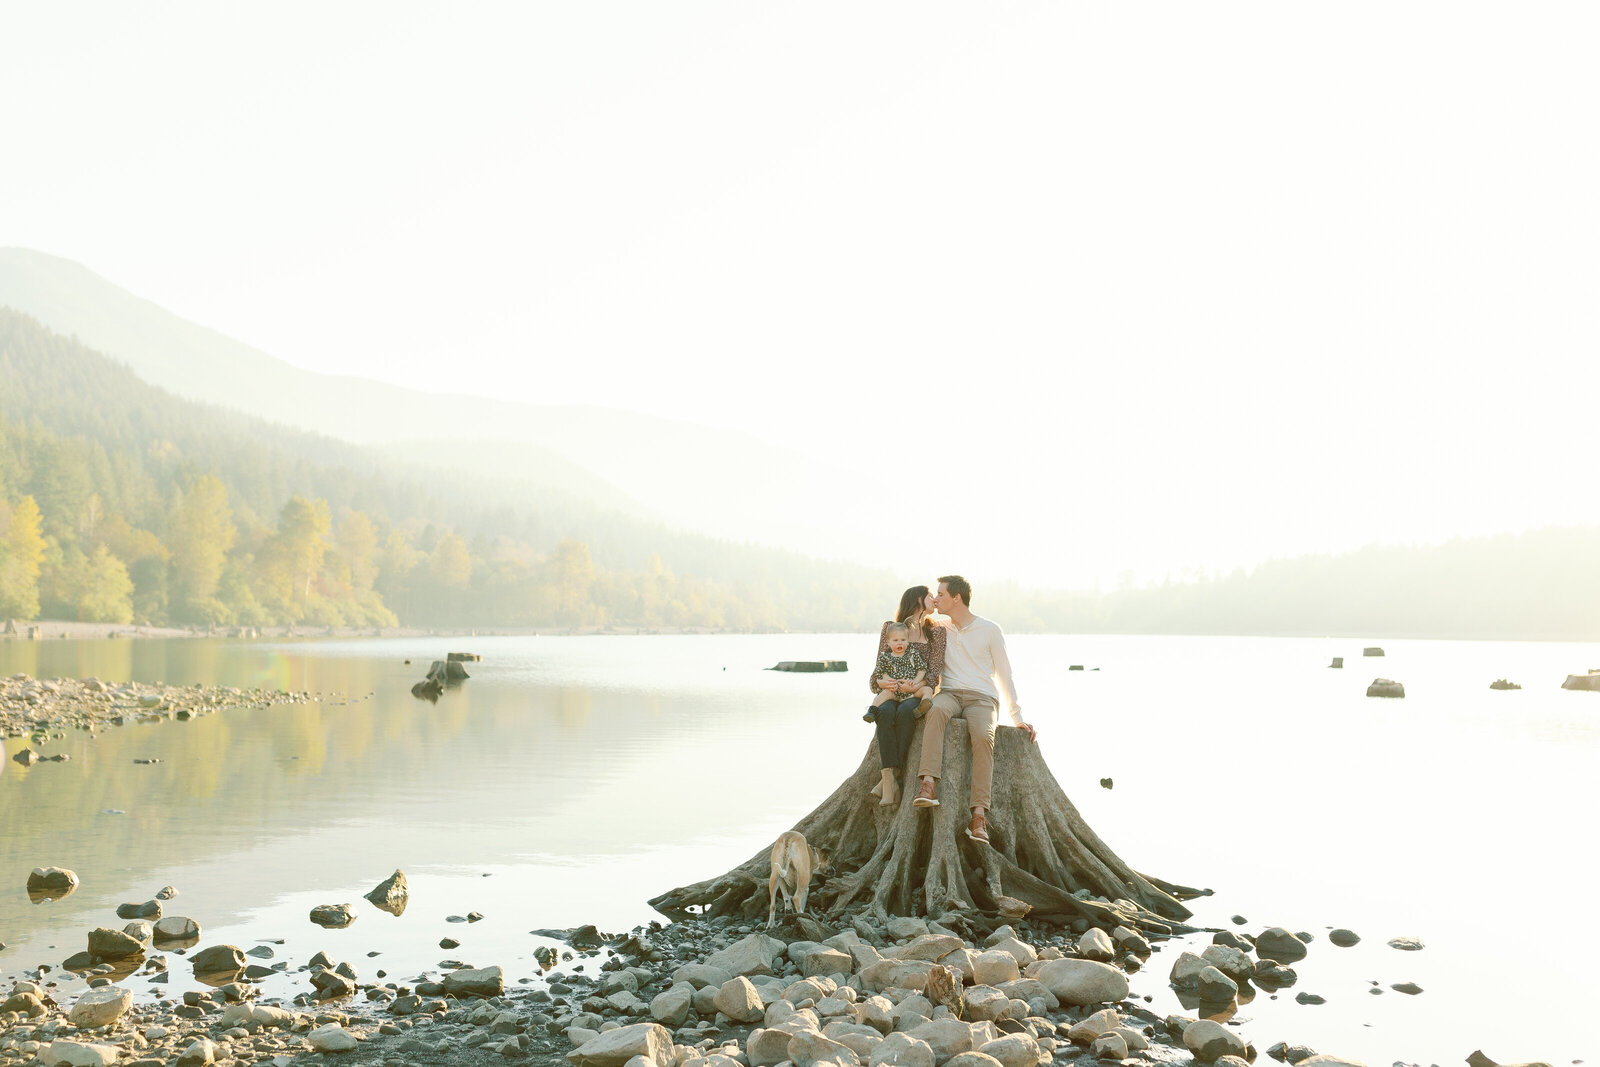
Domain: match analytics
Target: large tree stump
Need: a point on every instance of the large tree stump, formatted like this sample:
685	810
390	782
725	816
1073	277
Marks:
904	860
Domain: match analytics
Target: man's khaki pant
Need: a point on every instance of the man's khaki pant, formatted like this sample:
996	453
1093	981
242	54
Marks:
982	715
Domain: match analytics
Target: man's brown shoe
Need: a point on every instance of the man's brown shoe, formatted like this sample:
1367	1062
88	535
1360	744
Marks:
925	797
978	828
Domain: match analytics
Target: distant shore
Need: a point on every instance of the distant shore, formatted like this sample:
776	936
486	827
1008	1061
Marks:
49	630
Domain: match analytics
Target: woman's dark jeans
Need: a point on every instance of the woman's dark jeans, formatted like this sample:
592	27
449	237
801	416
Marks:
896	720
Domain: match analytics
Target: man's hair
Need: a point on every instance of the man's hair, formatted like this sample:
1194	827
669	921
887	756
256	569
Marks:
896	628
956	585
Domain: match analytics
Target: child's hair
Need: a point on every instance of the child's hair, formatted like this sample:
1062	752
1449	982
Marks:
896	628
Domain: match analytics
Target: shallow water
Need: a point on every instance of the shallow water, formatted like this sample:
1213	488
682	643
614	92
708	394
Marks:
573	778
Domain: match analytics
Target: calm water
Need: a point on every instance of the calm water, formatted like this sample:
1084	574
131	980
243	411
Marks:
573	778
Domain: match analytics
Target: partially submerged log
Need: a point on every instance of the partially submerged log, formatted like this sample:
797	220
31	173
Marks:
1044	861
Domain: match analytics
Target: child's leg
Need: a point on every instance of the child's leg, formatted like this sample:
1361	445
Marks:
924	700
883	697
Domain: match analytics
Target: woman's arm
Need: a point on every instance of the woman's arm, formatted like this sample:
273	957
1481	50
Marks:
936	637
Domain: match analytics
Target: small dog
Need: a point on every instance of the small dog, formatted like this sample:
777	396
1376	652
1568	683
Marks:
794	864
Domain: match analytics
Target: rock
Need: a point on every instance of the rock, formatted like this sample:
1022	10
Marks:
108	944
1590	681
166	892
891	974
875	1012
994	967
1131	941
1344	938
1015	1050
699	975
671	1007
1082	982
943	986
902	1050
929	947
946	1037
1216	987
1276	943
199	1053
827	961
1406	944
176	928
217	959
739	1001
78	1054
749	955
972	1059
1112	1046
392	894
1385	687
1322	1059
767	1048
903	927
858	1039
1372	651
1185	975
1101	1022
1233	940
44	879
476	982
1338	662
1135	1040
1236	965
332	916
150	909
1270	974
1309	998
1022	951
100	1007
331	1038
1209	1040
27	757
1095	944
24	1003
1411	989
985	1002
809	1047
331	984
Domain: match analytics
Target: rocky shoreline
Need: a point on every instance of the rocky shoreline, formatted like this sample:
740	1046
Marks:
43	710
694	993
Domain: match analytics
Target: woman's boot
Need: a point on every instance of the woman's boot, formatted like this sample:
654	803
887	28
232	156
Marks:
891	789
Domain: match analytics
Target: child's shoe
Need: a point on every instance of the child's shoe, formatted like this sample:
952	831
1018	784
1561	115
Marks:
871	715
922	708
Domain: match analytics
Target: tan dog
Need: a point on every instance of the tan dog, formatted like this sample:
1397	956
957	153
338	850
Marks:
794	862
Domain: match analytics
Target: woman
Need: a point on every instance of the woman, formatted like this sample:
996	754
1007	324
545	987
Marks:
896	719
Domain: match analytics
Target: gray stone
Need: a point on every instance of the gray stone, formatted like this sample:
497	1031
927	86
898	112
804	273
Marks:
1131	941
857	1038
700	975
217	959
108	944
1216	987
150	909
671	1006
995	967
1276	943
1112	1046
754	954
1408	988
1029	989
946	1037
1208	1040
767	1048
1015	1050
1231	962
176	928
972	1059
1406	944
1101	1022
739	1001
333	916
929	947
902	1050
100	1007
26	1003
827	961
1344	938
392	894
1185	975
475	982
614	1048
985	1002
1095	944
809	1047
44	879
78	1054
199	1053
1083	982
892	974
904	927
1021	951
331	1038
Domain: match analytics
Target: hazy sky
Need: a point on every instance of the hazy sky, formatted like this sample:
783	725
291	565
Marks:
1133	286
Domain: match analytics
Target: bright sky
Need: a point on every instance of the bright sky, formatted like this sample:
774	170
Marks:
1165	285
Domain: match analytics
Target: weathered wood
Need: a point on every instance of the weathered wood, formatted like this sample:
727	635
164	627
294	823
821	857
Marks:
904	860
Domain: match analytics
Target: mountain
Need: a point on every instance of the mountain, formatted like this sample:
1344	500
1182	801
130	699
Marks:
726	484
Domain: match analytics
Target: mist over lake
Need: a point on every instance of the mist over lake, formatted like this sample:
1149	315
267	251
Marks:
584	775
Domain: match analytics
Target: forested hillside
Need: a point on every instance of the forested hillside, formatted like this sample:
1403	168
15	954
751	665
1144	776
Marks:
120	502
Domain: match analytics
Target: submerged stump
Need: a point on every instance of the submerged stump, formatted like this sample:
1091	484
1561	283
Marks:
903	860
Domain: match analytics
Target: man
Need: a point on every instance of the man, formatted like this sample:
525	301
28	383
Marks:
974	661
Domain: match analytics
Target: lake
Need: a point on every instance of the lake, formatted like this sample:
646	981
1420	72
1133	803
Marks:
573	778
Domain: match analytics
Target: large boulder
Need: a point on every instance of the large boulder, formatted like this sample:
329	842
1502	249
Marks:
1015	1050
749	955
995	967
331	1037
392	894
78	1054
671	1007
1276	943
905	927
985	1002
1083	982
108	944
1230	961
928	947
613	1048
176	928
895	974
826	961
150	909
767	1047
1208	1040
1095	944
100	1007
475	982
699	975
946	1037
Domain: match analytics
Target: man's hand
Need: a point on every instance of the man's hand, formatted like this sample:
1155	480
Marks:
1027	728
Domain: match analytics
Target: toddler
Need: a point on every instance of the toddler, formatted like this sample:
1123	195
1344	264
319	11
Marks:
900	673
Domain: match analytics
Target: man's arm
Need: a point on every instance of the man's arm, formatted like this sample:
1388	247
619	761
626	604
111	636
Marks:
1008	687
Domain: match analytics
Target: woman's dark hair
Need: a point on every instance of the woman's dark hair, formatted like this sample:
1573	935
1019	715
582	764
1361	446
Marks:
910	601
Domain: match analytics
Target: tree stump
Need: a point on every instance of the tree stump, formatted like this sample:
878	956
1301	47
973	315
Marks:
904	860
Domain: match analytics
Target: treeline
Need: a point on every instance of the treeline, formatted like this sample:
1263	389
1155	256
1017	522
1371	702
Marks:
119	503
